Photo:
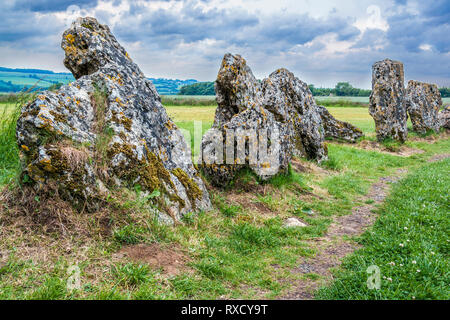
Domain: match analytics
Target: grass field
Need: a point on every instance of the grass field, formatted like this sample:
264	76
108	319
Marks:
409	243
182	115
241	250
364	100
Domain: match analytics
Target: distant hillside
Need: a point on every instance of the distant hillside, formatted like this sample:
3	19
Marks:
169	86
16	80
31	71
198	89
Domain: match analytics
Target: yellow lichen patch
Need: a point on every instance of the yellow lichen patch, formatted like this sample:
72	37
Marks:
47	123
192	189
58	116
149	172
70	38
170	125
119	102
46	164
265	165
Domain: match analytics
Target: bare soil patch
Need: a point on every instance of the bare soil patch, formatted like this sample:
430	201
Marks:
431	138
402	151
439	157
308	167
335	245
171	259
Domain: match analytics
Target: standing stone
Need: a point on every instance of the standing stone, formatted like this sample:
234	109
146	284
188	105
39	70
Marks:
265	122
107	130
387	100
444	117
336	129
291	102
423	101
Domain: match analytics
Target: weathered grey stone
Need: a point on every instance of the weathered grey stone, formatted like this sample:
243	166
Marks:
293	223
337	129
387	100
281	113
444	117
423	101
107	129
291	102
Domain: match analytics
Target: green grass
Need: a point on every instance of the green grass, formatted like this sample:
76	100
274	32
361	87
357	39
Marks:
409	243
9	152
363	100
179	100
234	251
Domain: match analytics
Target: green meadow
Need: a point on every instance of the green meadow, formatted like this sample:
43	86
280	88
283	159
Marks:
240	250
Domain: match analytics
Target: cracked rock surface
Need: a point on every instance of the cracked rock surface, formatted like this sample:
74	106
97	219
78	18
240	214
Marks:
423	101
387	101
266	122
337	129
107	130
444	117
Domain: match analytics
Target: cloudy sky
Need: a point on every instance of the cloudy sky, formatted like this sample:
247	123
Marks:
321	41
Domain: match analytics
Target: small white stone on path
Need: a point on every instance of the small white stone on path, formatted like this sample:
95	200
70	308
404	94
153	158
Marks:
293	222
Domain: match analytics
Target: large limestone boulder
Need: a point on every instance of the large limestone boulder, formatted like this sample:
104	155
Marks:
444	117
337	129
107	130
291	102
387	101
260	125
423	101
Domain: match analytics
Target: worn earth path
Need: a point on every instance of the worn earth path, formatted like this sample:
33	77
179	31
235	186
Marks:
336	244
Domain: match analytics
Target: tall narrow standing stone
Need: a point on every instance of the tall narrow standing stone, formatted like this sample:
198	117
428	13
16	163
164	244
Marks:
387	101
423	101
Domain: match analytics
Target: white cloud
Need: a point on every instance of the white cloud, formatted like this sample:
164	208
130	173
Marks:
320	41
425	47
373	20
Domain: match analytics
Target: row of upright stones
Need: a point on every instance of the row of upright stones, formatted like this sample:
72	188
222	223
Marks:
108	130
390	103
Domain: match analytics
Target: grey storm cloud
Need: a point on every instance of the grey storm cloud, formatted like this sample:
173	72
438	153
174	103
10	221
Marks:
236	26
17	26
51	5
189	38
429	26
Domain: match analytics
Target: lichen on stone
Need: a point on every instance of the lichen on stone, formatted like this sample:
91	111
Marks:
423	101
336	129
281	106
114	116
387	101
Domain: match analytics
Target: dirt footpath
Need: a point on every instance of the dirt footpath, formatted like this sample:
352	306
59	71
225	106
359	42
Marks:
334	246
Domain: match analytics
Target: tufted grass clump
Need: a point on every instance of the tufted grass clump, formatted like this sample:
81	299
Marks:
9	151
131	274
227	209
104	132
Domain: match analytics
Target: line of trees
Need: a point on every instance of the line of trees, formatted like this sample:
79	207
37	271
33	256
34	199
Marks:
198	89
445	92
342	89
